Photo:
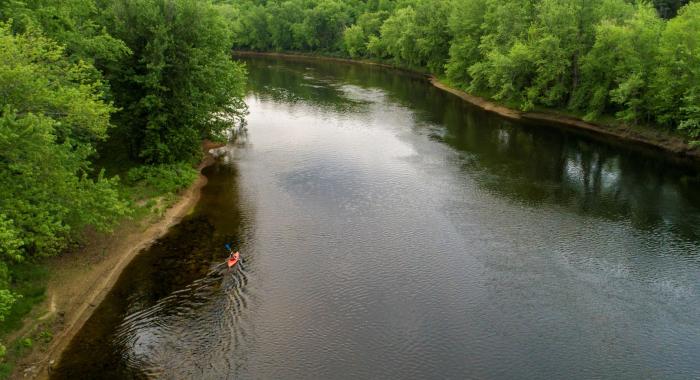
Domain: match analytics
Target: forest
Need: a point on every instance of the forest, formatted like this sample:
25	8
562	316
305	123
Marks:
104	105
632	62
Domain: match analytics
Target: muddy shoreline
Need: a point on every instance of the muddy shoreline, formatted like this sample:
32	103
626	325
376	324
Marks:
82	279
642	137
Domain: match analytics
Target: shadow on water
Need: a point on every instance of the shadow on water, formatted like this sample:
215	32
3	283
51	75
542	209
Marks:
541	253
181	275
526	163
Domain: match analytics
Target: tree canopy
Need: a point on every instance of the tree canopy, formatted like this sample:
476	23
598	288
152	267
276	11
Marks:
155	76
633	60
53	111
179	85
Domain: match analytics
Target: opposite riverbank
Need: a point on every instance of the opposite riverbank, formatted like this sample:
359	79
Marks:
80	280
645	137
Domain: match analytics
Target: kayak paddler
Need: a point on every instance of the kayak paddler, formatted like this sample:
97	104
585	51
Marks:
232	257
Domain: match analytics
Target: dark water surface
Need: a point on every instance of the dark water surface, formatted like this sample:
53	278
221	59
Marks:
389	230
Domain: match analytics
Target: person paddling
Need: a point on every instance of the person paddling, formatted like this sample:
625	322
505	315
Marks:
233	257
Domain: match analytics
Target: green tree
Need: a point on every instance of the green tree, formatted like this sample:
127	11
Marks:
10	251
398	37
560	34
252	29
281	17
371	22
677	78
634	92
356	37
500	71
375	48
465	25
324	24
416	35
612	57
433	34
180	84
75	23
52	112
355	41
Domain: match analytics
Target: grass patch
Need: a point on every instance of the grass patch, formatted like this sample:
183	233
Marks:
151	181
28	280
149	187
151	190
5	370
139	181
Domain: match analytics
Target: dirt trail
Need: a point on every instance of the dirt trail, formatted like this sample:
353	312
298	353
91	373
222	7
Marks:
80	280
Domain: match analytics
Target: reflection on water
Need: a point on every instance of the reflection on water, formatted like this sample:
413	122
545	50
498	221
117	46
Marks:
174	292
390	230
529	164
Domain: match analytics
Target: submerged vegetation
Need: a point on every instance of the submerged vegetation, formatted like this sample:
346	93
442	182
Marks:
103	104
636	61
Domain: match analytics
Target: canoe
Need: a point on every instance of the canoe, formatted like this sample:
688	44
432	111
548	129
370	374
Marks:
233	259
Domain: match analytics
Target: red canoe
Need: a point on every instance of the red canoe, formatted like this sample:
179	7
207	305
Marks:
233	259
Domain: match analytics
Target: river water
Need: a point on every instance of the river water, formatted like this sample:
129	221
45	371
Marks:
389	230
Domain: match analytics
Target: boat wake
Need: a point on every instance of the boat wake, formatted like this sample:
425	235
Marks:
188	333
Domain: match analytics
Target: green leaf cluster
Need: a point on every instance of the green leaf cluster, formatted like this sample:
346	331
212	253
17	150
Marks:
179	85
634	60
163	178
79	80
52	113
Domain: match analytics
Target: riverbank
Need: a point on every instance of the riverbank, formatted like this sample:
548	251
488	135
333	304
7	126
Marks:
545	248
301	55
640	136
79	280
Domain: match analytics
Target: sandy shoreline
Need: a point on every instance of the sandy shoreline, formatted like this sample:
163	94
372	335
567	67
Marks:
80	280
641	137
671	144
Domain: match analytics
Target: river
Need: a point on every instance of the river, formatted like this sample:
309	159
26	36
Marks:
390	230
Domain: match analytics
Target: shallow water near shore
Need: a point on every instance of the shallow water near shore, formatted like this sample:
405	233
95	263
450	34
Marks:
390	230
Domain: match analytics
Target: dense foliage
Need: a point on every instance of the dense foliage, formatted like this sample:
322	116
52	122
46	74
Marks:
51	115
179	84
634	60
76	76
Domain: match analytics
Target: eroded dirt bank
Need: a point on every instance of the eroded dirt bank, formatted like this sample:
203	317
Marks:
641	136
80	280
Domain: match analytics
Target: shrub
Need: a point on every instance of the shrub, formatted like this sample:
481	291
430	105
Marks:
163	179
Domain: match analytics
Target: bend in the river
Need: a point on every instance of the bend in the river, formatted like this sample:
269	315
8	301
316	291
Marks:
390	230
